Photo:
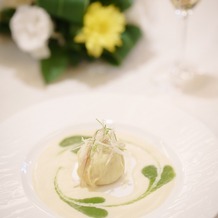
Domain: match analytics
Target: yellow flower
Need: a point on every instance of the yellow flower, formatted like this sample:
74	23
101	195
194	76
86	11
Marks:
102	29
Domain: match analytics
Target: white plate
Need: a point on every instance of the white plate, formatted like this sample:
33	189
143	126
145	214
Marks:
194	149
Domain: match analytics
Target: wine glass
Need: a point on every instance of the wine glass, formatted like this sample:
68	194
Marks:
179	74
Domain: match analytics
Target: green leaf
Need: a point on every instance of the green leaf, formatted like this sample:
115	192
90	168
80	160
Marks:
6	14
70	10
5	29
130	37
55	65
72	140
121	4
74	29
167	175
5	17
151	173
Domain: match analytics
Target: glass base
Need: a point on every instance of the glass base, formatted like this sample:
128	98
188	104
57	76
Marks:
178	77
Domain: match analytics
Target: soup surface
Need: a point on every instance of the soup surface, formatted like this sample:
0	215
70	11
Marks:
148	179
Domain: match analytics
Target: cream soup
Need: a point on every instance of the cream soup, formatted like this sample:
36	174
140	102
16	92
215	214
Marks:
147	182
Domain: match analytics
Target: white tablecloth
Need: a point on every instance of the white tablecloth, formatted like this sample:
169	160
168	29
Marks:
21	84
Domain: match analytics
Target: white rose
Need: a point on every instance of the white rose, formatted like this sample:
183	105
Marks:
31	27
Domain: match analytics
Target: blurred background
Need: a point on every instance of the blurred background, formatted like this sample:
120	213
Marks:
21	83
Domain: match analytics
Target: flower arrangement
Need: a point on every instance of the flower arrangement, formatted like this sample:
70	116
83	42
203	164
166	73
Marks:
60	33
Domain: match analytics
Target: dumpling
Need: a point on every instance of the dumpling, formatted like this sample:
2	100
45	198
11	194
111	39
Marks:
100	159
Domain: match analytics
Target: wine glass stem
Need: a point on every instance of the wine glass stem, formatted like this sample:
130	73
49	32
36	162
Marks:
183	49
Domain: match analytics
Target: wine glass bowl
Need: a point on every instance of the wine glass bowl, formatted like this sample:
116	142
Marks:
184	7
184	4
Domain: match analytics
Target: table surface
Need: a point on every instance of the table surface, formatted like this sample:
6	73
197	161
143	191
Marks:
21	84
